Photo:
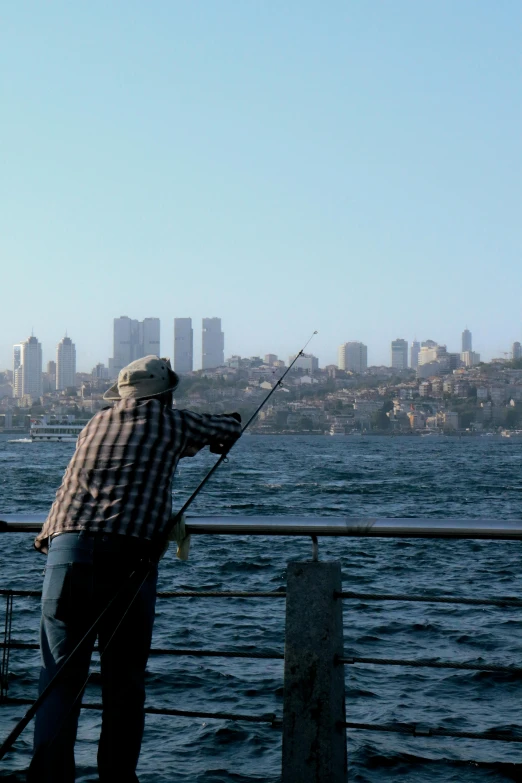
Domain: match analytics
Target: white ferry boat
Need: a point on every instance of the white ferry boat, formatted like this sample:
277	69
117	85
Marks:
43	430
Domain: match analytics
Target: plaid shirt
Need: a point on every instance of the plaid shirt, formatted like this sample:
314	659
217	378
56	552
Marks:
120	477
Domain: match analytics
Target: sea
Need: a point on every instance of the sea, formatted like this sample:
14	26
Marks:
313	476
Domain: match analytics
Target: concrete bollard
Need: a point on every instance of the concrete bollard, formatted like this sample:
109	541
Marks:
314	745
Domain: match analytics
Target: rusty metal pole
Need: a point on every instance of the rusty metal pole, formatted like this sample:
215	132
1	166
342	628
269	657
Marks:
314	741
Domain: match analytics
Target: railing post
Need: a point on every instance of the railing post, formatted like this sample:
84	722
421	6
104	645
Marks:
314	742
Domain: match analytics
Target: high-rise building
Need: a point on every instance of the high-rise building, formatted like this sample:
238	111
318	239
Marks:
132	340
65	364
353	357
414	354
516	351
17	372
399	354
213	344
183	345
148	338
27	368
466	341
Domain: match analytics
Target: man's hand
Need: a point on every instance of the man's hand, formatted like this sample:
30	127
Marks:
236	416
221	448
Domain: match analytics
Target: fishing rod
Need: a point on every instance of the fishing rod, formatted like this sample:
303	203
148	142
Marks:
137	577
175	518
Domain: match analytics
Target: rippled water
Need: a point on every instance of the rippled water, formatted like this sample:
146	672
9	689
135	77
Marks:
312	476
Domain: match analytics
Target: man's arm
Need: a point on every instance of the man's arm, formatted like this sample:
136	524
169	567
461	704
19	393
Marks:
219	431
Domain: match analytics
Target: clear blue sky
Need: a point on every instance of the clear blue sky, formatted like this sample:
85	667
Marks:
351	167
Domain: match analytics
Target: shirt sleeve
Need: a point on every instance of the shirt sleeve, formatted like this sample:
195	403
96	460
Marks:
203	429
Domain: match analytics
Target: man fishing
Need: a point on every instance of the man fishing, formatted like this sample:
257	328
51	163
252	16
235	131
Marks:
110	516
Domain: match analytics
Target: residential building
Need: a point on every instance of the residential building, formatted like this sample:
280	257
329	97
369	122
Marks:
307	363
470	358
183	345
414	354
431	352
451	420
399	354
132	340
270	358
353	357
212	344
65	364
27	369
466	341
100	372
516	351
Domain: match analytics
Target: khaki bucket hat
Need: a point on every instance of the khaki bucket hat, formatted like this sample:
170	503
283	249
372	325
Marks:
146	377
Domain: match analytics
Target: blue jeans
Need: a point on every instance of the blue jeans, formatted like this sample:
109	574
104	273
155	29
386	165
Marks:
84	571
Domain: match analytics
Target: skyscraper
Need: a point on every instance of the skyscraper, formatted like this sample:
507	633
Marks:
17	370
132	340
414	354
466	341
183	345
148	338
517	351
353	357
65	364
213	344
27	367
399	354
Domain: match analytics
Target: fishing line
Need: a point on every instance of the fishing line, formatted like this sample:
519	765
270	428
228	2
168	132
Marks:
137	575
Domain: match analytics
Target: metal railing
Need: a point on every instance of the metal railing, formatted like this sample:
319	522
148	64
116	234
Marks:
314	737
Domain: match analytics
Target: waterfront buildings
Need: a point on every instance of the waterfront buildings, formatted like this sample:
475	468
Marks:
27	369
183	345
353	357
132	340
414	354
212	344
65	364
399	354
466	341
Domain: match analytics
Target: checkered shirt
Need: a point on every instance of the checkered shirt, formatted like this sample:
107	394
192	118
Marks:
119	479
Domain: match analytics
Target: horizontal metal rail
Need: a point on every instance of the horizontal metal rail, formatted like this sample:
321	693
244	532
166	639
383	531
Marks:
269	717
326	526
276	656
414	730
419	730
473	667
503	602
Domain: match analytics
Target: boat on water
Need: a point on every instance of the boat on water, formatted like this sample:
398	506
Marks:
511	435
45	430
337	429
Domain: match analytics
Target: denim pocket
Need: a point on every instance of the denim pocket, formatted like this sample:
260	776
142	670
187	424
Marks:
67	592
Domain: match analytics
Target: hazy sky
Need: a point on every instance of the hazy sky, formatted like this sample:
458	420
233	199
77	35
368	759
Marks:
352	167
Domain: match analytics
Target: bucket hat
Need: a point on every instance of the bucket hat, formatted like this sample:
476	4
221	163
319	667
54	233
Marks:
146	377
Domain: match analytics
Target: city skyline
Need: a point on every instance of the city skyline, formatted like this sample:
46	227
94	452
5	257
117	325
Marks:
148	332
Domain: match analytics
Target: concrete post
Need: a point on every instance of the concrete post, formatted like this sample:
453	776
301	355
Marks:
314	745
